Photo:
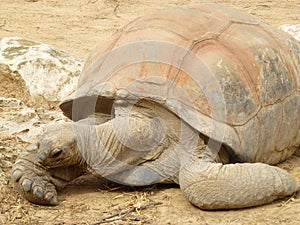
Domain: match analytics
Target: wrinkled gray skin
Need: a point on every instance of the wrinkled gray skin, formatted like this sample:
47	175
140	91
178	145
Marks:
159	147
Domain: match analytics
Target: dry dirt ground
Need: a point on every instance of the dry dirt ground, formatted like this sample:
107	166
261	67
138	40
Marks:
77	26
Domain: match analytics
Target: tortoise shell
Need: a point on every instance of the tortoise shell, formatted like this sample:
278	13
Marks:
225	73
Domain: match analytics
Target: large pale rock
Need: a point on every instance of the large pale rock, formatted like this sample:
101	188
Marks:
48	73
293	30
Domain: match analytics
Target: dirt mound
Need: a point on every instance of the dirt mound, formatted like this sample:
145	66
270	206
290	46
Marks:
12	85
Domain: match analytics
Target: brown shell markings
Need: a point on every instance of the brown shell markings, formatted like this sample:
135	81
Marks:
255	68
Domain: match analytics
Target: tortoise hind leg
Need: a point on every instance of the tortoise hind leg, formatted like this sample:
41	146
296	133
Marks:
209	185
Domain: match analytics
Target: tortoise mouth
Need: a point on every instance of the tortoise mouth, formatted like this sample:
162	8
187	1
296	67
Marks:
82	107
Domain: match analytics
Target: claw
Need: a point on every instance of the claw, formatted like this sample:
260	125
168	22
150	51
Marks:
53	201
38	191
16	175
51	198
26	184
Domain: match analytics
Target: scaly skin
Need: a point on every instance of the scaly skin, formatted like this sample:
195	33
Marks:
37	183
208	180
230	186
33	181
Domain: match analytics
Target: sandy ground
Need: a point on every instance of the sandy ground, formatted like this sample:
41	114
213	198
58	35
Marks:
77	26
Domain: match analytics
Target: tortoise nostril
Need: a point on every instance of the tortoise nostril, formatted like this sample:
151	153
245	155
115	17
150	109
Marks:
57	153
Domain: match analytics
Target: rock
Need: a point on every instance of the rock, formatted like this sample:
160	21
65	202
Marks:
48	73
293	30
16	118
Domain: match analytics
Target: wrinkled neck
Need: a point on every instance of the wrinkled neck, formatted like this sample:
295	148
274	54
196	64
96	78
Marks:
78	160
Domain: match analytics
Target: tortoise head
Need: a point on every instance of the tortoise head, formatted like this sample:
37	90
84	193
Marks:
57	146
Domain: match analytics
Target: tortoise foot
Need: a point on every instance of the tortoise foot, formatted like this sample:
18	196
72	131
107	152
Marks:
33	181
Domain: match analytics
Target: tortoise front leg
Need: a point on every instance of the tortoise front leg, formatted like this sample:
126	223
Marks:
33	181
38	184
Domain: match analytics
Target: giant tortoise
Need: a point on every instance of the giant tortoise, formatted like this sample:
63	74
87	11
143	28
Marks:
206	97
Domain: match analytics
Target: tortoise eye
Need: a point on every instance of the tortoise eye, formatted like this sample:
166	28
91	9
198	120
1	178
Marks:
57	153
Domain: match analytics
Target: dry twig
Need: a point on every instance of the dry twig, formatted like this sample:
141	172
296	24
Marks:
291	199
122	214
115	11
